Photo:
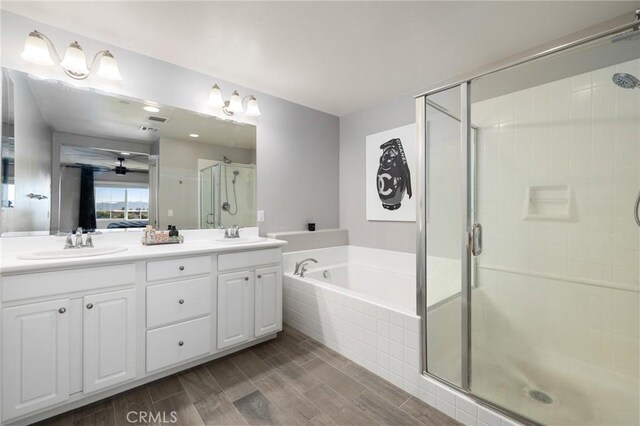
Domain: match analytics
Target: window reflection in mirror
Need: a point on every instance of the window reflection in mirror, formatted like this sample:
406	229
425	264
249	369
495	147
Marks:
108	164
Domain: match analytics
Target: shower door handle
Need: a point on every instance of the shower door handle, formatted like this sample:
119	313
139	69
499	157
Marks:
636	210
212	216
476	239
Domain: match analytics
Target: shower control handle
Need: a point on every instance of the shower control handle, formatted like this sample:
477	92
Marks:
476	239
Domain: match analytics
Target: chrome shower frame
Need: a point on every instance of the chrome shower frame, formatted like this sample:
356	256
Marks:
467	155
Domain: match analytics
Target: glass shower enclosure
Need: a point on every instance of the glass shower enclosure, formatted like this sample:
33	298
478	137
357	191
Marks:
227	195
529	252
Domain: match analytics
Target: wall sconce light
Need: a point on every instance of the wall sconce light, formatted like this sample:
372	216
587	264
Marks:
38	48
235	104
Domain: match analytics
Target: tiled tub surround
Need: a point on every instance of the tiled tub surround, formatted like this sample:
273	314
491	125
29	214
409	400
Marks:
558	301
367	315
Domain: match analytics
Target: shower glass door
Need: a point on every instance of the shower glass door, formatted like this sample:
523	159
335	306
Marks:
554	304
209	216
529	247
444	214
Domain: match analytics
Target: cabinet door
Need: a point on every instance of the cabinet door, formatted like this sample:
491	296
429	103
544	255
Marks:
268	306
235	308
109	339
35	352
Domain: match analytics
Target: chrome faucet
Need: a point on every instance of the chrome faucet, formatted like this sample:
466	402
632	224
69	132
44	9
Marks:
69	244
301	267
78	243
232	232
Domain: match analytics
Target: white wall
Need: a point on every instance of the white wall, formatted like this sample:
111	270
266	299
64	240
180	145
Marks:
297	147
354	128
32	164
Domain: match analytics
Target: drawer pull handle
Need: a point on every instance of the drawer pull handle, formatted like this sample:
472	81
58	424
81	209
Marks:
62	310
89	305
181	268
259	276
246	278
181	301
180	343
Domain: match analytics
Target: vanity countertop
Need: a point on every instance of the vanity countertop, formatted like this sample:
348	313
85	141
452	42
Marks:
196	243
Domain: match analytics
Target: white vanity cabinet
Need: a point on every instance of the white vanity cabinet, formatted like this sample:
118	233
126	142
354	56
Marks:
179	311
81	340
109	336
268	300
249	296
235	308
35	356
85	333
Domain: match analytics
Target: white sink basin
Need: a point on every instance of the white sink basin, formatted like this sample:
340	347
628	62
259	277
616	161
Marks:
241	240
71	253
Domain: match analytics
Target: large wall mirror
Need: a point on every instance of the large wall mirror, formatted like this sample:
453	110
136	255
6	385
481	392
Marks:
75	157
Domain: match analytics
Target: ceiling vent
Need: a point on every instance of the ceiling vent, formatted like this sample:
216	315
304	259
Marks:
157	119
148	129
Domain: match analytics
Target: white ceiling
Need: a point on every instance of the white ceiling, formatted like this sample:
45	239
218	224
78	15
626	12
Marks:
337	57
86	112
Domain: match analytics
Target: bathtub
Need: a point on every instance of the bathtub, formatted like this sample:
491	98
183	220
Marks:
360	302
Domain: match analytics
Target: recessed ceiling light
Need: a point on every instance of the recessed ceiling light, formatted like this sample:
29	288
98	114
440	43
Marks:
194	135
150	108
125	153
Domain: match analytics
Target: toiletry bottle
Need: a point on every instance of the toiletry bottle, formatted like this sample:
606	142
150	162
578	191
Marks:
173	232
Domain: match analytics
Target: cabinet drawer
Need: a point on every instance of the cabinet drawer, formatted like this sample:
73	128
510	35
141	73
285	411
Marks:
248	259
178	268
27	286
177	343
178	301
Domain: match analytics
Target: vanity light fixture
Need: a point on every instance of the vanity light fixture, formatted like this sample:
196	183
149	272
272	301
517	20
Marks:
235	104
38	49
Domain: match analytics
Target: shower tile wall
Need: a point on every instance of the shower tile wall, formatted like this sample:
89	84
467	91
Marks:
583	132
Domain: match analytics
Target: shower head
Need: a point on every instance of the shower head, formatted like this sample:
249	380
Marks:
226	160
235	175
626	81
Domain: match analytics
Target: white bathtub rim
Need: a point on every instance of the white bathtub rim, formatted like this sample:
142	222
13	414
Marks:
350	293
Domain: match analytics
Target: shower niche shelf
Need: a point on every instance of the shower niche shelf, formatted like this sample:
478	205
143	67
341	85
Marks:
549	203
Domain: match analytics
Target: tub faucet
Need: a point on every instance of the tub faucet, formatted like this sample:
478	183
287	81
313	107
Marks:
301	267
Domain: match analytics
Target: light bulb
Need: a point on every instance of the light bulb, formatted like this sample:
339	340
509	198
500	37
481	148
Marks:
235	103
74	60
36	49
215	97
108	68
252	107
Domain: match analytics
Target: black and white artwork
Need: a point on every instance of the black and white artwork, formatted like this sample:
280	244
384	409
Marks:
390	167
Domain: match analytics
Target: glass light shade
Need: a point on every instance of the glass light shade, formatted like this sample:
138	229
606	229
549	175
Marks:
74	60
215	97
36	50
108	68
252	107
235	103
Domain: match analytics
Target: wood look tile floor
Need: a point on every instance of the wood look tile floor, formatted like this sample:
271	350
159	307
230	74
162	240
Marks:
291	380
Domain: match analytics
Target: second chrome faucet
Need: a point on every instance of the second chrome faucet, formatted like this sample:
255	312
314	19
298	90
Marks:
69	243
